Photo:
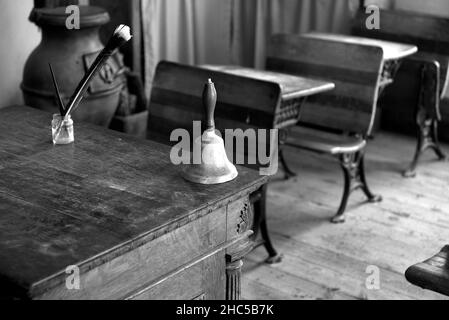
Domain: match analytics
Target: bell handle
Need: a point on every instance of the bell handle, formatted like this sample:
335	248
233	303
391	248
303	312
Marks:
209	103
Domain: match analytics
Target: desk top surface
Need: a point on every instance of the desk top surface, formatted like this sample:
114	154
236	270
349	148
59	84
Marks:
392	50
292	86
85	202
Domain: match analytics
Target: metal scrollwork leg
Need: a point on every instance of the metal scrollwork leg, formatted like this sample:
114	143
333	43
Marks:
288	173
273	255
340	217
283	134
436	142
354	179
427	139
389	72
427	117
260	224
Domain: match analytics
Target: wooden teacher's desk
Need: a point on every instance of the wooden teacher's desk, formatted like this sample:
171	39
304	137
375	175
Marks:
114	210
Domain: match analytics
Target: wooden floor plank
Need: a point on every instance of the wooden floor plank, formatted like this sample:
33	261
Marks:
288	285
326	261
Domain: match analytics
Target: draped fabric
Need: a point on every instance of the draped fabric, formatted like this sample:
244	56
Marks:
434	7
256	20
186	31
231	31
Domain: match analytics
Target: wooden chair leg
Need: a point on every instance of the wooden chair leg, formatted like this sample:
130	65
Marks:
353	166
260	220
427	139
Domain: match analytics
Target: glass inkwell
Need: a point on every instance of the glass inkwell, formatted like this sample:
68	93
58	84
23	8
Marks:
62	130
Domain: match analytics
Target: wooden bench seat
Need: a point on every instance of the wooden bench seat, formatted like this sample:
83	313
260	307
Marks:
407	96
432	274
324	142
341	119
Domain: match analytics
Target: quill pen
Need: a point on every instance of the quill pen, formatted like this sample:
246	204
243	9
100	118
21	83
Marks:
120	36
58	93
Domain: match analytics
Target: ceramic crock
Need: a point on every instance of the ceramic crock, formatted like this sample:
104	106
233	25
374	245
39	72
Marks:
71	52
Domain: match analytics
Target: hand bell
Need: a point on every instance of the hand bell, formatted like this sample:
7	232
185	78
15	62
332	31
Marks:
214	167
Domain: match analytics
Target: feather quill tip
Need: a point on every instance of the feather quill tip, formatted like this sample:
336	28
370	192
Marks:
123	32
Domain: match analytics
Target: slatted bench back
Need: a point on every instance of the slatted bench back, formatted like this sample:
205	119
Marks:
176	99
429	33
242	103
355	70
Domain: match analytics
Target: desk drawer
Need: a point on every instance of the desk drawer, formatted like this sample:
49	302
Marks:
126	273
204	281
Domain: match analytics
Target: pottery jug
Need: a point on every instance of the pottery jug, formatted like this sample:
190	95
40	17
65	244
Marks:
71	52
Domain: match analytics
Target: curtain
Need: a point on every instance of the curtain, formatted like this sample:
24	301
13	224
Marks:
434	7
186	31
254	21
230	31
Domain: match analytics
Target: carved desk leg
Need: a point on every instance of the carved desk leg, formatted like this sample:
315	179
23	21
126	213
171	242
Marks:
234	264
233	280
239	228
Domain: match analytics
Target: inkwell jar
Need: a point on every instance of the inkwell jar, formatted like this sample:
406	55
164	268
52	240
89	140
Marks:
62	130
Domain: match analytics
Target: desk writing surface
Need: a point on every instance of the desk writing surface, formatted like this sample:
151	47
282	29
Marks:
392	50
85	202
292	86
